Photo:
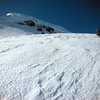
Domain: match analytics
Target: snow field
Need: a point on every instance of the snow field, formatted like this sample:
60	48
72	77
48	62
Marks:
50	67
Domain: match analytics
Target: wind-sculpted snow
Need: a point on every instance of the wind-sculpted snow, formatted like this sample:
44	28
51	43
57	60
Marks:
50	67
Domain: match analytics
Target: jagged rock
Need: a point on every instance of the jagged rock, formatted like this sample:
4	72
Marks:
30	23
39	29
98	34
49	29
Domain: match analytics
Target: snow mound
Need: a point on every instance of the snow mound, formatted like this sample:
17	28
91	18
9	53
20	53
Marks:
50	67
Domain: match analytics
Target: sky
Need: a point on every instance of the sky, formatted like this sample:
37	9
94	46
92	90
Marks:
78	16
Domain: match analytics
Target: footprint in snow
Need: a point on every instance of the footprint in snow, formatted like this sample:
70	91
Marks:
60	76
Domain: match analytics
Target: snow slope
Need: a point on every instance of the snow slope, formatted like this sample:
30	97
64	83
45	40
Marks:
11	20
50	67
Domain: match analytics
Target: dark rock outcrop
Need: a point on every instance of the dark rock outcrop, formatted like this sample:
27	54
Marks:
49	29
30	23
98	34
42	33
27	22
39	29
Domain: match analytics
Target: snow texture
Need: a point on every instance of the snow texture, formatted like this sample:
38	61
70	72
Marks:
50	67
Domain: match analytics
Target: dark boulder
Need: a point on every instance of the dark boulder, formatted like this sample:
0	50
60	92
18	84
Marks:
98	34
30	23
42	33
49	29
39	29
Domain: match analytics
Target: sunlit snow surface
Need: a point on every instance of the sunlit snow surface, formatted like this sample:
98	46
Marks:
50	67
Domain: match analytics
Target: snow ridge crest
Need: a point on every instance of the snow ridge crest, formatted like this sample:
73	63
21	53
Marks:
12	14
